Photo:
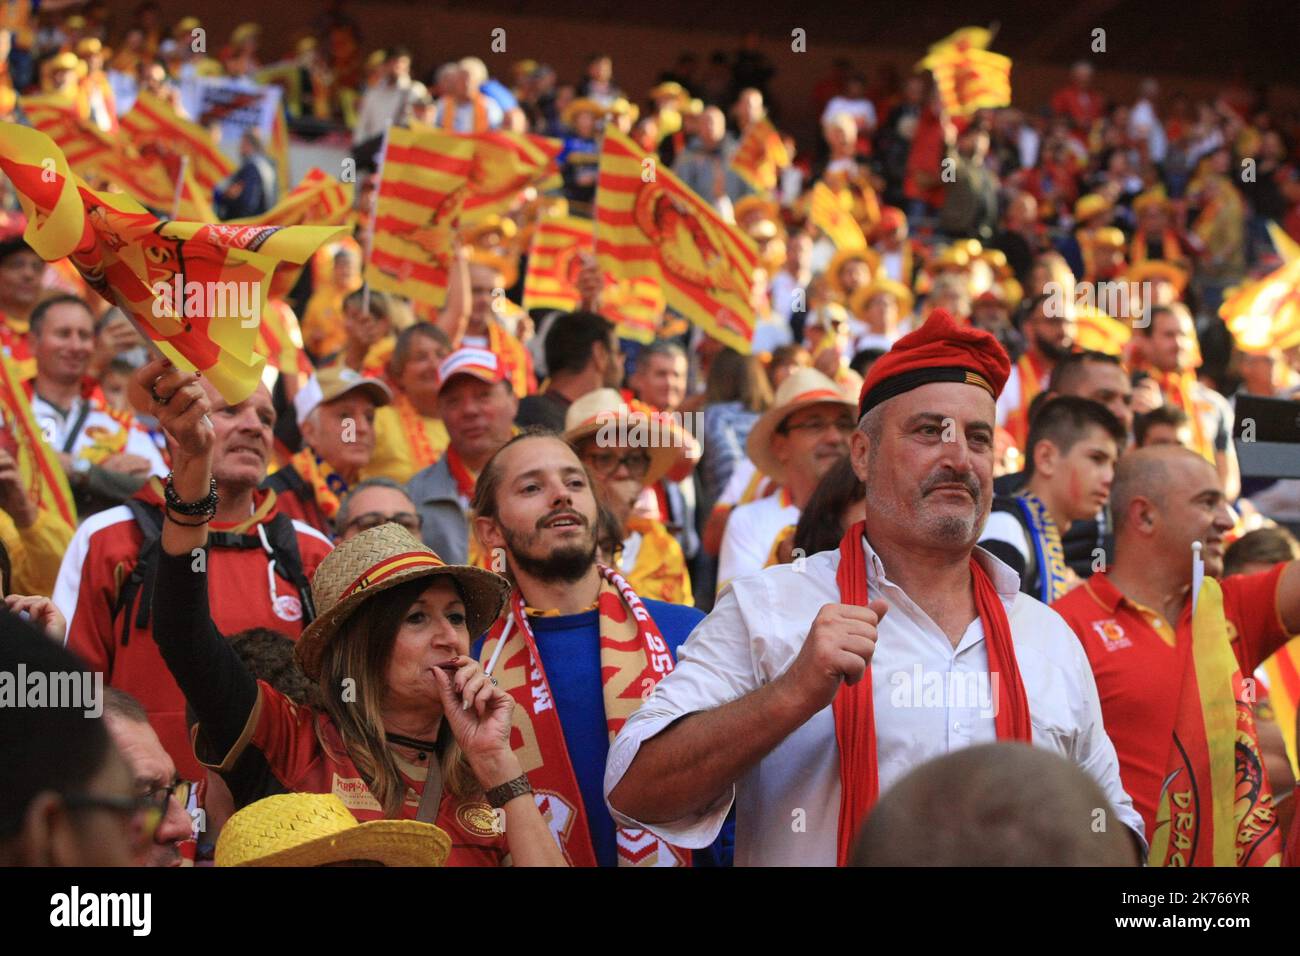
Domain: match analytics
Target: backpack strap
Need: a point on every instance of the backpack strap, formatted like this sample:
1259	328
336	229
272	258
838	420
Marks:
149	519
283	538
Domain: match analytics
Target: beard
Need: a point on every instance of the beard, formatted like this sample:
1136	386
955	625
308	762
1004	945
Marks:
1051	350
940	529
564	564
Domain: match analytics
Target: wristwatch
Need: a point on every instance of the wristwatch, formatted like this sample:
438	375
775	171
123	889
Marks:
499	796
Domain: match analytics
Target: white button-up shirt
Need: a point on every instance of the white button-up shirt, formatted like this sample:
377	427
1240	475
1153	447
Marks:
929	699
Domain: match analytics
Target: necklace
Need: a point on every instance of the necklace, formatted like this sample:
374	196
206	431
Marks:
422	747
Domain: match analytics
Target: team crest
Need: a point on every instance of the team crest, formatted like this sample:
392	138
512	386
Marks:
478	819
1111	634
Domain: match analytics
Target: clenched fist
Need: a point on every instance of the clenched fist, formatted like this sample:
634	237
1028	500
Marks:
838	648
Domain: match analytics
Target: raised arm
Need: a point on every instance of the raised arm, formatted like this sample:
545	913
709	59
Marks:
215	682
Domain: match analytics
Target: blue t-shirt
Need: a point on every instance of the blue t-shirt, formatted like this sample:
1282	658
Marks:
570	650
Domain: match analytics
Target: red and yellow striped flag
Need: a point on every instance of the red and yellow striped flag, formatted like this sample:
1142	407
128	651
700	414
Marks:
652	226
423	184
156	129
83	143
969	77
1282	671
761	156
198	291
319	200
1264	314
38	463
635	306
504	165
1216	808
828	212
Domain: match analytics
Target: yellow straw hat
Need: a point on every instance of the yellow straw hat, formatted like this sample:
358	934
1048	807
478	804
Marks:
317	829
581	105
1158	269
490	223
755	206
1093	204
886	286
605	408
866	254
622	106
508	267
374	561
1109	237
802	388
669	88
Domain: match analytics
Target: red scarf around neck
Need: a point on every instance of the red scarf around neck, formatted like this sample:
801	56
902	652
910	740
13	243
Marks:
855	726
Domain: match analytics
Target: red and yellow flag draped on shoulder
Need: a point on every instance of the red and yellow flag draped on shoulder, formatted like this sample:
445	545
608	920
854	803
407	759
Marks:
761	156
554	261
38	464
651	225
198	291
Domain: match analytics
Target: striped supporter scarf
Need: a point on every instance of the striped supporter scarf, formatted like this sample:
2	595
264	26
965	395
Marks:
633	658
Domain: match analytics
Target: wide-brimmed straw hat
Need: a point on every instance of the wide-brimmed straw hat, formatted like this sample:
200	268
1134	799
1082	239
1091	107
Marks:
378	559
802	388
605	409
316	829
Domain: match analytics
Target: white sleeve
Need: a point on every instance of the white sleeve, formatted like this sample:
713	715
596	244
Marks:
68	584
1003	526
742	553
714	667
139	443
1092	749
736	484
1009	400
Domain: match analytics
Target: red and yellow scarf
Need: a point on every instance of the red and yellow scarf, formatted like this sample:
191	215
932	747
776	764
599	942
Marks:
1179	389
633	658
423	453
449	109
327	486
855	729
1033	372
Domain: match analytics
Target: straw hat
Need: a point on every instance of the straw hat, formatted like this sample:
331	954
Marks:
1093	204
504	227
887	286
669	88
1158	269
316	829
802	388
756	207
582	105
506	265
606	408
621	106
866	254
372	562
1108	237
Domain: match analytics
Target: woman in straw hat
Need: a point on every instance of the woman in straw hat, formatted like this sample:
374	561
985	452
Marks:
411	727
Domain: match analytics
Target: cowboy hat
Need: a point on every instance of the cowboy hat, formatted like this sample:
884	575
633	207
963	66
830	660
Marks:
317	829
606	409
582	105
374	561
886	286
802	388
865	254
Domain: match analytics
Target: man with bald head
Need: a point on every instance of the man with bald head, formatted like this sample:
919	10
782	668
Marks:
705	165
1135	624
106	573
998	804
814	686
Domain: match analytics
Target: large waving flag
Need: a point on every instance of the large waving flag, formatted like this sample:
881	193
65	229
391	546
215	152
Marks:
504	165
829	214
156	129
423	184
554	261
1215	807
660	230
38	463
319	200
969	77
1264	314
1282	672
198	291
760	156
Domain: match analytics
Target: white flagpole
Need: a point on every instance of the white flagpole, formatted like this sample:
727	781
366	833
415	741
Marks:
1198	574
180	187
370	228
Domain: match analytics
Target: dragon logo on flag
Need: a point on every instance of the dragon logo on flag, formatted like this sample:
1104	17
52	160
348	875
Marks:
688	245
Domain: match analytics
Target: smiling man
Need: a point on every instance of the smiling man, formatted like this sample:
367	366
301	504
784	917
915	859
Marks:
576	646
1135	624
109	564
798	697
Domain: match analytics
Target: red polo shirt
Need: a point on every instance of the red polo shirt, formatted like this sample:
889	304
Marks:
1136	663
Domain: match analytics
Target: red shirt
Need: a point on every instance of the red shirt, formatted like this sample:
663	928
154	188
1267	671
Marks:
289	738
101	557
1139	673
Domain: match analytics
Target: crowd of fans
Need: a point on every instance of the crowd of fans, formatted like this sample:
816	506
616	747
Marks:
431	435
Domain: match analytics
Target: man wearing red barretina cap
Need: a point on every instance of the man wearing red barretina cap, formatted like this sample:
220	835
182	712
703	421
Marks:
812	687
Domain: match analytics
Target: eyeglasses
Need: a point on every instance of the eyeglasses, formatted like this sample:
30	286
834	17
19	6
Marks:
607	463
818	425
409	520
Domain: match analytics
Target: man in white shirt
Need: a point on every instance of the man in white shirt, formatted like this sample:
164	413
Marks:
106	454
384	104
795	442
768	706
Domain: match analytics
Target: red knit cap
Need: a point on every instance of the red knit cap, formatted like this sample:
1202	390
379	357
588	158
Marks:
941	350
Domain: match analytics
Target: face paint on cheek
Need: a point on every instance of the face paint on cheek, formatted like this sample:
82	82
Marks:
1076	488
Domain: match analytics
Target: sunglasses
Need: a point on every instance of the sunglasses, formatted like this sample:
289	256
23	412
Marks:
607	463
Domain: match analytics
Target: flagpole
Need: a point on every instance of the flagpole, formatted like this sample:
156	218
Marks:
1198	574
180	187
370	228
